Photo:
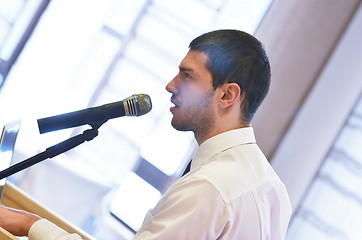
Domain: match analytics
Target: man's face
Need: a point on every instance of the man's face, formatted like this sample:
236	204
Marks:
192	95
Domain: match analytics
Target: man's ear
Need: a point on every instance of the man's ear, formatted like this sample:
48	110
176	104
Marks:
230	93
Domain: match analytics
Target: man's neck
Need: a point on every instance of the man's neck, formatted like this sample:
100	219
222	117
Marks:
202	137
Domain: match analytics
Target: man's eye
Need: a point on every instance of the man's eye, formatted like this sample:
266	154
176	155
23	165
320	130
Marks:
187	75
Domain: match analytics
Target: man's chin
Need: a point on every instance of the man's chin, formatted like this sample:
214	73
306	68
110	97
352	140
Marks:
179	126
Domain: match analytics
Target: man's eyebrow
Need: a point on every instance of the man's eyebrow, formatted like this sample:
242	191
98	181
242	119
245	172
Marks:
184	69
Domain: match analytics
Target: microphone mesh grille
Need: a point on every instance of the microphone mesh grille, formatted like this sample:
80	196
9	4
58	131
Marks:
145	104
137	105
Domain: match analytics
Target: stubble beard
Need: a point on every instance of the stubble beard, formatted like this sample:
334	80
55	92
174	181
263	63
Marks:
198	118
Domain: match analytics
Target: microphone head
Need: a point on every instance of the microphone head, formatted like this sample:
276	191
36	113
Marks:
137	105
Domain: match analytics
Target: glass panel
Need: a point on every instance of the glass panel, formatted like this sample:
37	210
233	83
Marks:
175	147
94	65
8	15
124	14
10	9
332	208
172	41
24	15
242	14
4	31
194	14
131	207
153	59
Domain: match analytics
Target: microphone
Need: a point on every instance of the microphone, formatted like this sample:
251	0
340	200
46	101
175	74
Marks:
135	105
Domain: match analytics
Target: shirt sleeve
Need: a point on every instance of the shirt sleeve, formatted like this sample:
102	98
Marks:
184	211
45	230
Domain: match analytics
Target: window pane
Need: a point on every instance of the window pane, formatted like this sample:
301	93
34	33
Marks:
129	201
332	207
19	16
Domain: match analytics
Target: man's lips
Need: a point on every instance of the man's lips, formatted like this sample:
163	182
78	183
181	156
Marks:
175	107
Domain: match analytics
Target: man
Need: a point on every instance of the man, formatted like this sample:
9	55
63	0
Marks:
231	191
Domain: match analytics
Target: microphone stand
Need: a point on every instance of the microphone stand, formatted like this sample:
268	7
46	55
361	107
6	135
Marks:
51	152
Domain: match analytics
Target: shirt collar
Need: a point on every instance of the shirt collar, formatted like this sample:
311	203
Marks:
221	142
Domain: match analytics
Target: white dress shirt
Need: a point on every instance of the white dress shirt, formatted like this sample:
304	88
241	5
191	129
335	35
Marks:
45	230
231	192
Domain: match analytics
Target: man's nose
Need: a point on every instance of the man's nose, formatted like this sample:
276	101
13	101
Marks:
171	86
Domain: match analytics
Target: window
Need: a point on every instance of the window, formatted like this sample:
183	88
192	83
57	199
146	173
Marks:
332	207
17	21
320	157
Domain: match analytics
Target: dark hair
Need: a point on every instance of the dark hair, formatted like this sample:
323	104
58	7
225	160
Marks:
236	56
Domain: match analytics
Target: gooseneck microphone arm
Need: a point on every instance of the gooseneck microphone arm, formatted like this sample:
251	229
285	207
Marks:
51	152
136	105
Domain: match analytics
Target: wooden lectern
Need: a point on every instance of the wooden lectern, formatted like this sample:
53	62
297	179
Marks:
16	198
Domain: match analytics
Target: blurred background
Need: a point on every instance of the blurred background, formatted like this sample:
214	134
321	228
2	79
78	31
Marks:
58	56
